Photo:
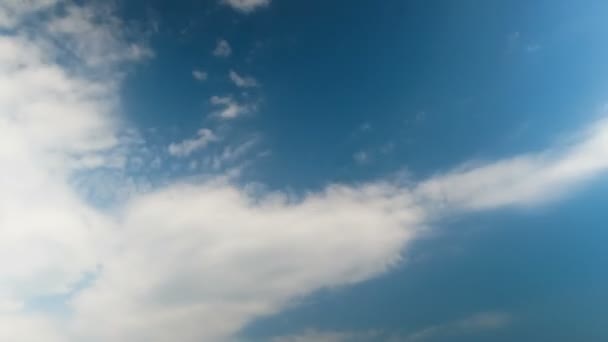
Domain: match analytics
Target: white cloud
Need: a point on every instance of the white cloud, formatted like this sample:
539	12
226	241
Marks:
246	6
28	328
52	122
12	12
222	49
192	261
231	108
522	180
96	36
228	257
199	75
49	119
262	253
242	81
187	147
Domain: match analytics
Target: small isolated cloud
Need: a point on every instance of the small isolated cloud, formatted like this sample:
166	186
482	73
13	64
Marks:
222	49
242	81
199	75
246	6
187	147
231	109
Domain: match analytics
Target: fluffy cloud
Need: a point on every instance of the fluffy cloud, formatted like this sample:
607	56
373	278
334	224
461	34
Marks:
231	108
51	118
187	147
246	6
229	257
222	49
242	81
192	261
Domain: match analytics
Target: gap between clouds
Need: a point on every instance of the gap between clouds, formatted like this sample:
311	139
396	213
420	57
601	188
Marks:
193	261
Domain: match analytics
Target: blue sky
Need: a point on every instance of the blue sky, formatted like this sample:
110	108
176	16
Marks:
292	171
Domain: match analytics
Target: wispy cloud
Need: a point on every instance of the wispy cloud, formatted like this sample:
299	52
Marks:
187	147
95	36
246	6
475	324
522	180
222	49
13	12
231	154
199	75
330	336
242	81
480	322
231	109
